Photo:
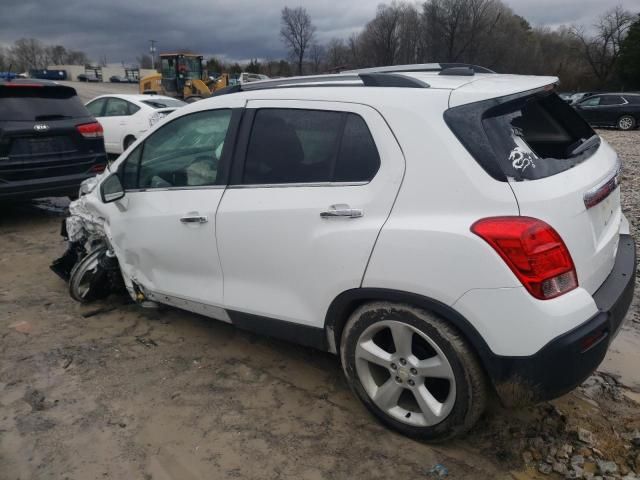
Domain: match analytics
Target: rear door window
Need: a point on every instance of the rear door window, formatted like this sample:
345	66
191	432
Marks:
117	107
40	103
358	159
524	138
612	100
289	146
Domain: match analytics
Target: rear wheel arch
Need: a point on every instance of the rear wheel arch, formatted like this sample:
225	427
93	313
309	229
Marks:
347	302
627	116
128	140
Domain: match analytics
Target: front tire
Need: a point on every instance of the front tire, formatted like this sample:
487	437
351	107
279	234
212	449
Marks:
626	122
412	370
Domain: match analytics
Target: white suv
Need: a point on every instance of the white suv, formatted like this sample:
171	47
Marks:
447	232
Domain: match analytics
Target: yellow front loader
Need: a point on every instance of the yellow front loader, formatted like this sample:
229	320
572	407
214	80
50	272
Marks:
181	76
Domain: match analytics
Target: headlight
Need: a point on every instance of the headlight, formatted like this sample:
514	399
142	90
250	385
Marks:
88	185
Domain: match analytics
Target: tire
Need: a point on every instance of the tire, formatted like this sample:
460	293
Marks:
88	280
456	400
626	122
127	142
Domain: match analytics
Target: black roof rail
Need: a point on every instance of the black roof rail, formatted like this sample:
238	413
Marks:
391	80
420	67
335	80
459	71
475	68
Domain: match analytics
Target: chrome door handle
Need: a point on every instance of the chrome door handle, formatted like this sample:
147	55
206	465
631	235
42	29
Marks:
195	219
342	211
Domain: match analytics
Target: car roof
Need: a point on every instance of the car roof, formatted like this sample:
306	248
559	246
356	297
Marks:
461	88
135	97
31	81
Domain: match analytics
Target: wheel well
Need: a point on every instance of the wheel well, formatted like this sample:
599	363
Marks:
124	142
346	303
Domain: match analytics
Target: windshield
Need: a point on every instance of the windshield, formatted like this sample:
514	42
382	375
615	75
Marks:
164	103
190	67
525	137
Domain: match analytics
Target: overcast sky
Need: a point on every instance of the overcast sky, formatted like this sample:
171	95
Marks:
234	29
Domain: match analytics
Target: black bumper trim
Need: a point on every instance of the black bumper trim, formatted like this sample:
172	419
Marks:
565	363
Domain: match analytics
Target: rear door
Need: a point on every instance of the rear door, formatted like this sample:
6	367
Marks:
612	107
311	189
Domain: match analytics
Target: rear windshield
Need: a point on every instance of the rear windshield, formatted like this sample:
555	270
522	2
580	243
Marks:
24	103
523	137
164	103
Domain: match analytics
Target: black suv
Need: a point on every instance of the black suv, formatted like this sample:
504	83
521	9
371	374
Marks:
620	110
49	142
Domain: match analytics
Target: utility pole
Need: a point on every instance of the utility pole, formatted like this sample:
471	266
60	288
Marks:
152	51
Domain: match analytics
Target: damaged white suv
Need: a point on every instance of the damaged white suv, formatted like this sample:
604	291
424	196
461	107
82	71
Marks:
446	230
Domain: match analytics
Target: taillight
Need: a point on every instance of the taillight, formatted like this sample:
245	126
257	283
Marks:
534	251
90	130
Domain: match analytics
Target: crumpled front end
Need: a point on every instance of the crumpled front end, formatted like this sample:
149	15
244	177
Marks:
89	263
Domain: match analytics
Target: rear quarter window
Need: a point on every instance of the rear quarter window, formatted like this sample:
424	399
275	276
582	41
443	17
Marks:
40	103
523	137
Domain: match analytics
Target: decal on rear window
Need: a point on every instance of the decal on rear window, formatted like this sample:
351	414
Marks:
521	159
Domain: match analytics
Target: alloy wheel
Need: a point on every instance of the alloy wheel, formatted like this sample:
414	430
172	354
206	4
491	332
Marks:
405	373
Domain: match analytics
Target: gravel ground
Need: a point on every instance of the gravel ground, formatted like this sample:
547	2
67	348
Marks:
112	391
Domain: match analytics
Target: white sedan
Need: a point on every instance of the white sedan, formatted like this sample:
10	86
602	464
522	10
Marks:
125	118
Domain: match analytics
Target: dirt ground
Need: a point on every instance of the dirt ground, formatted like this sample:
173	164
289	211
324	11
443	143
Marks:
112	391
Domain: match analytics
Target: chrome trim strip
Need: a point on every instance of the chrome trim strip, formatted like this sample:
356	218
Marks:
166	189
613	175
290	185
212	311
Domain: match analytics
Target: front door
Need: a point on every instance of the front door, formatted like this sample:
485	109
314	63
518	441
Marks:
164	232
310	191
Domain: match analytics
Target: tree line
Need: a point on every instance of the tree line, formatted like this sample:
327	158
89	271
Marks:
30	53
605	55
482	32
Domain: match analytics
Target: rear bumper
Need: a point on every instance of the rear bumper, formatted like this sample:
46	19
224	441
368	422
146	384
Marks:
67	185
569	359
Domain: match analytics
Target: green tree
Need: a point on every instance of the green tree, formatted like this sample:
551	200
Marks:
214	65
253	66
235	68
629	60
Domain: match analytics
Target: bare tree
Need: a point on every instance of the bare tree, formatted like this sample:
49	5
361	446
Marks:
456	29
337	54
56	54
28	53
76	57
317	55
380	39
602	49
4	59
297	32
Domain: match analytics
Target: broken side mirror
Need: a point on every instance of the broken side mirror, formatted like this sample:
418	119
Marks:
111	189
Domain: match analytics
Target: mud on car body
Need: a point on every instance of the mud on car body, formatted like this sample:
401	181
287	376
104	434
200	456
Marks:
444	230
